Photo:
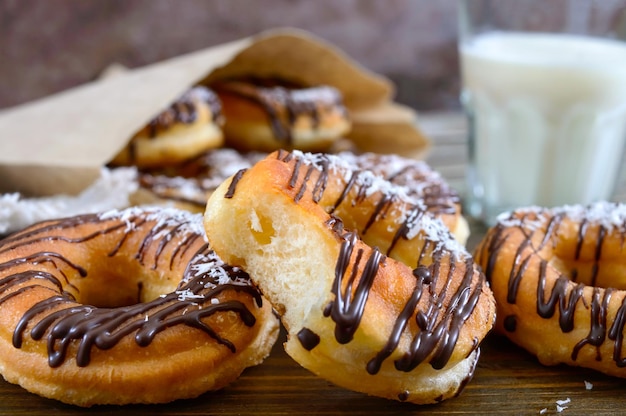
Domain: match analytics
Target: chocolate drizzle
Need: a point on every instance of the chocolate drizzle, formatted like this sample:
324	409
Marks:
415	176
185	110
308	339
359	186
564	296
66	325
347	308
438	326
284	105
233	184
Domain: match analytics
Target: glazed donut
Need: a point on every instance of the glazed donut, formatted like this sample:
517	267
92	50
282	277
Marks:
186	129
268	118
375	293
128	306
189	184
559	279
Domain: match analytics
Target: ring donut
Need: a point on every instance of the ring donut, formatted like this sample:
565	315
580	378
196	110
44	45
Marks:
186	129
559	279
268	118
127	306
375	293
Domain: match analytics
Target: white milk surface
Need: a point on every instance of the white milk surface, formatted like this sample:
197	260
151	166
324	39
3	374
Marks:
549	116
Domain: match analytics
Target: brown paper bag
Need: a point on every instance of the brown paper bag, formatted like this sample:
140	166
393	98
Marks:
58	144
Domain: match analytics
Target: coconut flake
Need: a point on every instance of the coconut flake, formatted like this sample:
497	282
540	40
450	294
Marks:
560	405
188	294
166	218
609	215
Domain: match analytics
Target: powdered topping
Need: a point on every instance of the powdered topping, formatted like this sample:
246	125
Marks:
411	210
110	191
322	94
166	218
210	265
411	180
607	214
415	175
435	231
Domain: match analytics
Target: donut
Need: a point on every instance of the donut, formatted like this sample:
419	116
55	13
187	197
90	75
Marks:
559	279
189	184
374	292
271	117
186	129
129	306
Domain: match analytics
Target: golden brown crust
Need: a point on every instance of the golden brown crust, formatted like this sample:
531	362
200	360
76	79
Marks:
189	127
260	118
420	181
401	321
169	321
559	280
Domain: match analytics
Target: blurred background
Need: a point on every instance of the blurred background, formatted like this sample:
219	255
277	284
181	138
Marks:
49	46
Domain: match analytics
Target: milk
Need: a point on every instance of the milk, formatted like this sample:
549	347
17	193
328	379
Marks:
547	119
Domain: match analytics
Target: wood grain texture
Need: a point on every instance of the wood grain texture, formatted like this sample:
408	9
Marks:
508	381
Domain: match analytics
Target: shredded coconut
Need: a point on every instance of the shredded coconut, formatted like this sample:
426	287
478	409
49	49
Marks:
187	294
166	218
110	191
417	220
609	215
560	405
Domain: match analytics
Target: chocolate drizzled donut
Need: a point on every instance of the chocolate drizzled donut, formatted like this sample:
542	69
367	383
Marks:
375	292
559	280
93	293
185	110
261	117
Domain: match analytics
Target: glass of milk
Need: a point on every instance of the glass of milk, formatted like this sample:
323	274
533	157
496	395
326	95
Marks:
544	89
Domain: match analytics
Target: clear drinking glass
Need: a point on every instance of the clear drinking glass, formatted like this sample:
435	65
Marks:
544	89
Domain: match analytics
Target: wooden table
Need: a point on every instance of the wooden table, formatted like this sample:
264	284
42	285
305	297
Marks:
508	381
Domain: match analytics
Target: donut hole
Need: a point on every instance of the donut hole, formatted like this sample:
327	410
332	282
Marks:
114	296
118	282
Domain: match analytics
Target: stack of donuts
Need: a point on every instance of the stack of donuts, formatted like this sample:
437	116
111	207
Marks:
209	133
359	256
